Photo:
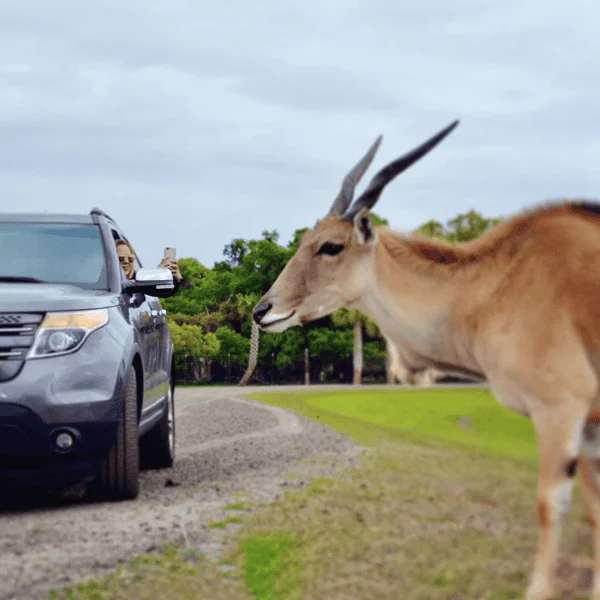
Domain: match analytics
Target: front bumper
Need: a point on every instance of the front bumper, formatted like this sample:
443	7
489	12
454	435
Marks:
30	456
79	393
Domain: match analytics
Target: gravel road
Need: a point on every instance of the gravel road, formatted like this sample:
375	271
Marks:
225	443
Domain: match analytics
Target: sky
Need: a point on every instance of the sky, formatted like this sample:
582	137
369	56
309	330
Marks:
194	123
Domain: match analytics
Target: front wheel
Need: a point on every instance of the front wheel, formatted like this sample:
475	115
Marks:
158	445
119	477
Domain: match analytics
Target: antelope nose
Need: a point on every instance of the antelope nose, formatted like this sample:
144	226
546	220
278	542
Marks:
260	311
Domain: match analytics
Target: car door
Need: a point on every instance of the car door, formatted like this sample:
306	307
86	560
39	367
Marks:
163	339
165	347
141	316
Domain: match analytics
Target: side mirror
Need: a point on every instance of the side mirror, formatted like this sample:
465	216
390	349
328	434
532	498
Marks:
152	282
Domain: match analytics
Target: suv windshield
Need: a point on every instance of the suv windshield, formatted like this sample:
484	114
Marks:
56	253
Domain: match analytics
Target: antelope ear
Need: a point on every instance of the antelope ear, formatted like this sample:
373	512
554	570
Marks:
366	234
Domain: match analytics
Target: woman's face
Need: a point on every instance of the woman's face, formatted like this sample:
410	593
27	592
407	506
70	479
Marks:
126	260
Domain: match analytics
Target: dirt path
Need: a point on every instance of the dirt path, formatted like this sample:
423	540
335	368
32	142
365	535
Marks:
225	443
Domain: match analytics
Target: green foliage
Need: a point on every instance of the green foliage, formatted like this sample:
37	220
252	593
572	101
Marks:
259	268
189	342
291	349
233	347
210	345
235	252
432	229
293	245
468	226
186	341
462	228
331	344
377	220
345	316
374	349
283	349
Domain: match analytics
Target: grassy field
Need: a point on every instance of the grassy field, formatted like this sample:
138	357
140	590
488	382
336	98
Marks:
463	417
441	508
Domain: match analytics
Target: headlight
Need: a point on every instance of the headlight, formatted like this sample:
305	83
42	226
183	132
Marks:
61	333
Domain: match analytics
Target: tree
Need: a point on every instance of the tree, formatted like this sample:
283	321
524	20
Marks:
344	316
377	220
432	229
271	236
192	349
293	244
462	228
210	346
235	251
468	226
260	267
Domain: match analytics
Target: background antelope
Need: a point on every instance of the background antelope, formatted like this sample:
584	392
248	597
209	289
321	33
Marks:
397	369
519	307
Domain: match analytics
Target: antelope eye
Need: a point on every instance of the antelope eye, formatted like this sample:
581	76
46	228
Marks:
330	249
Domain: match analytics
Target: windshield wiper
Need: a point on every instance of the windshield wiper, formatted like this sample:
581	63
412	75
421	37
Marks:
10	279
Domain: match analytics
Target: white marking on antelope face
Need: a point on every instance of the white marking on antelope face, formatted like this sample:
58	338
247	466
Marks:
276	322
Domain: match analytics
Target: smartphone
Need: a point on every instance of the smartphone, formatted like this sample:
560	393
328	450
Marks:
171	253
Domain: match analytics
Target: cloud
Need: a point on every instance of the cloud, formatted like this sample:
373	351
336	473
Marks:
193	124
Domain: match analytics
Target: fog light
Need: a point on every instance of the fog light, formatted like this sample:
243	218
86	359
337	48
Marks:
64	440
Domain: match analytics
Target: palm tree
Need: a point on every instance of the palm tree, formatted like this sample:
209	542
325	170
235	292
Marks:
344	316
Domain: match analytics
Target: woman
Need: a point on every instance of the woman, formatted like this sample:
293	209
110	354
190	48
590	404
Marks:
127	260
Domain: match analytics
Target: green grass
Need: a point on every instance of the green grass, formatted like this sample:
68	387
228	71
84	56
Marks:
372	417
266	559
235	506
169	574
223	524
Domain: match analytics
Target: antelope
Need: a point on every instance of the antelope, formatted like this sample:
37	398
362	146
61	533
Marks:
518	307
398	370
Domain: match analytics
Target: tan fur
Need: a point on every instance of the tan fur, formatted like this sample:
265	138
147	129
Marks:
519	307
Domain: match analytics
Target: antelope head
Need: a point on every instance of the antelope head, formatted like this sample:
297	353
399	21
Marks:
331	266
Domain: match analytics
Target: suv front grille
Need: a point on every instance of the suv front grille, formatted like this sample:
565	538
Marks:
17	332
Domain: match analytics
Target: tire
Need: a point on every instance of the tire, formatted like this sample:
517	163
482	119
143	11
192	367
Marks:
158	445
119	477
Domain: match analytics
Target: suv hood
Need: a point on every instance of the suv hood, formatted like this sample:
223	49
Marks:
42	297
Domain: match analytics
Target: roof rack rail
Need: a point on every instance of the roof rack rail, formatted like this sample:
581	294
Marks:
99	211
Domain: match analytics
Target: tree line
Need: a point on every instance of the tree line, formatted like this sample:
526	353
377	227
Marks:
216	340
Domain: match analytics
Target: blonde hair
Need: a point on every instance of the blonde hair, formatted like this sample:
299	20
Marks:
125	243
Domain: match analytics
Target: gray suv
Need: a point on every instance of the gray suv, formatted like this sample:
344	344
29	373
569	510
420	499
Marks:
86	358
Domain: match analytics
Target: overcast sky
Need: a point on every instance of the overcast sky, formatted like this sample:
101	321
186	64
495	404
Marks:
192	123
